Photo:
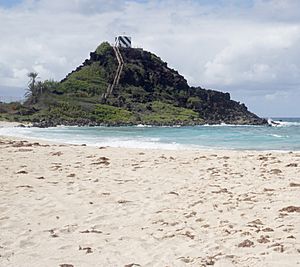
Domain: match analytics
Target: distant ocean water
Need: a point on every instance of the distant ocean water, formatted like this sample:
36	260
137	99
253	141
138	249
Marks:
285	136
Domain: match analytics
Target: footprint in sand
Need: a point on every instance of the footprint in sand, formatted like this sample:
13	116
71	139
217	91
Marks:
246	244
26	243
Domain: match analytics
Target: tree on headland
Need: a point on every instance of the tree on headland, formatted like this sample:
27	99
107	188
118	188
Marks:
36	89
32	76
32	90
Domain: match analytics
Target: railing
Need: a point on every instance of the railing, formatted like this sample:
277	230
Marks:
118	73
121	64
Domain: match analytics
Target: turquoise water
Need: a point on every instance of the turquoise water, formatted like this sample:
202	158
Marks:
285	136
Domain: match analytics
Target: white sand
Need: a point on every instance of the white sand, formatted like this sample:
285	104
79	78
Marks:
84	206
12	124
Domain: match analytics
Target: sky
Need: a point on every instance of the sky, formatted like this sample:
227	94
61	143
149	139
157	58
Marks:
249	48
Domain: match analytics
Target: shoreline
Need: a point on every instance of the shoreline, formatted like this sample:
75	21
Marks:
40	125
4	124
142	145
205	150
85	206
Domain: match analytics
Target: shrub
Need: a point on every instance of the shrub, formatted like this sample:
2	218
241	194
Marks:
103	48
106	113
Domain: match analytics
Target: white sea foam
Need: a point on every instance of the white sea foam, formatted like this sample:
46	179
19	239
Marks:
143	126
230	125
197	137
133	142
278	136
15	131
288	123
130	143
281	123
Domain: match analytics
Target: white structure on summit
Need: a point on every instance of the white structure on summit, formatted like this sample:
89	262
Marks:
123	41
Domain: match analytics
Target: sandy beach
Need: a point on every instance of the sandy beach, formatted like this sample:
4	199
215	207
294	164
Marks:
13	124
80	206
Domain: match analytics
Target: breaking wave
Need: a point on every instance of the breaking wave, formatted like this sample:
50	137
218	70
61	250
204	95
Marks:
285	136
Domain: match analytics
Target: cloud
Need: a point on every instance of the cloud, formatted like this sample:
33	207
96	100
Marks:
283	10
276	95
249	49
87	7
262	55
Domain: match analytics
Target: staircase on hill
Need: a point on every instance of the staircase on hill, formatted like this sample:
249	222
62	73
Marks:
116	80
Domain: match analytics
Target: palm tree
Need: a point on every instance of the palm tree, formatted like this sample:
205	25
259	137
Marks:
32	76
32	90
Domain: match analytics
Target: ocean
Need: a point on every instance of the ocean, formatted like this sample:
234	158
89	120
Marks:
284	136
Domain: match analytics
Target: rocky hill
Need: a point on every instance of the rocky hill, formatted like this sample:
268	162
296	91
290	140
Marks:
147	91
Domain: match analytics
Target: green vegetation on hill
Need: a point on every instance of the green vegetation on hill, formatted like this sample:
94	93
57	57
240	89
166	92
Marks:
149	92
163	113
110	114
103	49
88	81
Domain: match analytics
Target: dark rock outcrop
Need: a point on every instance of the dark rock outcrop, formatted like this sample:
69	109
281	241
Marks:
146	78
